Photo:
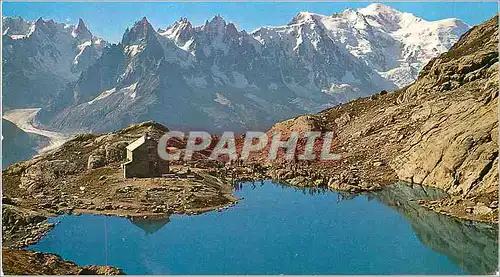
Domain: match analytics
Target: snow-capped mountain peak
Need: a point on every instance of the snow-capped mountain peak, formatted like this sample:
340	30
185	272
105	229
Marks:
45	55
378	8
303	17
180	31
396	44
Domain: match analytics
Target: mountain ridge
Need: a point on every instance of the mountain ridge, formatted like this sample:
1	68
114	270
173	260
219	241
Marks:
230	79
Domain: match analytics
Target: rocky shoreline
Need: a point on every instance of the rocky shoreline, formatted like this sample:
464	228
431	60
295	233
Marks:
310	176
23	227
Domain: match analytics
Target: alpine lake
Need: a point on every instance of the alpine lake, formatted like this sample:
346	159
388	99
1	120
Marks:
279	229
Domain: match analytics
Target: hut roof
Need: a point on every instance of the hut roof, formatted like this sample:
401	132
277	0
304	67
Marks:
140	141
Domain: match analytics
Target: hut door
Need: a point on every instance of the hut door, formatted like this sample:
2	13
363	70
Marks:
151	167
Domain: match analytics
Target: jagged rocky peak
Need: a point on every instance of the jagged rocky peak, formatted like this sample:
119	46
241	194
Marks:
217	24
15	26
39	21
218	27
143	21
218	19
141	30
183	24
180	30
142	38
46	27
231	30
184	20
81	32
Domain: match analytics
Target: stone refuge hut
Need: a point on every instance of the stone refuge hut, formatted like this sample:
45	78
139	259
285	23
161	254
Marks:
143	160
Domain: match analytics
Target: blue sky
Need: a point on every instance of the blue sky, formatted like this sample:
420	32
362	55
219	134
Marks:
109	20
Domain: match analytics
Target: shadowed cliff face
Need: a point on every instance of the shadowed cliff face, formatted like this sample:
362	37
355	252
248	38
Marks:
18	145
471	245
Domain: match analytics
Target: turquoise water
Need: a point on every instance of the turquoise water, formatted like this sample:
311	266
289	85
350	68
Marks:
278	229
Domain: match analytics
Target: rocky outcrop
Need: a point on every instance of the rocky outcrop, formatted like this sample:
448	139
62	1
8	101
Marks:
44	173
24	262
100	270
456	145
85	175
95	161
20	226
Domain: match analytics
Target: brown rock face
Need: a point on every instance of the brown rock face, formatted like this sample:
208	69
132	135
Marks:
456	145
24	262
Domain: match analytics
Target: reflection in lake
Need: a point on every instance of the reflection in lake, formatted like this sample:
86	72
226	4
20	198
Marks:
278	229
471	245
149	225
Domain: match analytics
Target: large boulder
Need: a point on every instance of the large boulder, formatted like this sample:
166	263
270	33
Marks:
45	173
95	161
115	152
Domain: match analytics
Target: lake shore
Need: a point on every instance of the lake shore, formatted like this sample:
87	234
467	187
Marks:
297	209
210	190
62	181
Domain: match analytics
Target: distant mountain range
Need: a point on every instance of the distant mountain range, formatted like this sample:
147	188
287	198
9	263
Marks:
214	76
40	57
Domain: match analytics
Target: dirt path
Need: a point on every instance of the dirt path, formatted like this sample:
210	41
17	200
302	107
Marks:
23	118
